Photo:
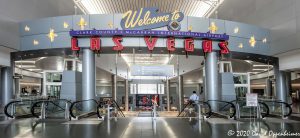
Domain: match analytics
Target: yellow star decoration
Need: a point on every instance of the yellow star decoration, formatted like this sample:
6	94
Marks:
190	28
27	29
236	30
52	35
82	23
111	25
35	42
66	25
252	41
264	40
241	45
213	28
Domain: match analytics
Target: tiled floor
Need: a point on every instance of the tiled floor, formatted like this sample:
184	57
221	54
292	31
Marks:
141	127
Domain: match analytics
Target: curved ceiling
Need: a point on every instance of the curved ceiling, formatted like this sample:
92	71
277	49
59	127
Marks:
198	8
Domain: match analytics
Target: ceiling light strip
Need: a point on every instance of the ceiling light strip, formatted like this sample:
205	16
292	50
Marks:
214	9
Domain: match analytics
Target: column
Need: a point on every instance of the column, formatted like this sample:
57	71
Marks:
268	89
289	83
211	79
180	92
281	89
6	85
126	95
17	87
88	74
168	94
114	87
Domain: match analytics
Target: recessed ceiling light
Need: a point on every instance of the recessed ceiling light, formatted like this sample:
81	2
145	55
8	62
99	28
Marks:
202	8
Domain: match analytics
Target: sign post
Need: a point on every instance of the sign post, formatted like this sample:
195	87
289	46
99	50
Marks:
251	99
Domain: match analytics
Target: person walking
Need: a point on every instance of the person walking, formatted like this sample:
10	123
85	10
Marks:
194	100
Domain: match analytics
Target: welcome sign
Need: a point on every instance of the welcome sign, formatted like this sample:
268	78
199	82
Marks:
149	18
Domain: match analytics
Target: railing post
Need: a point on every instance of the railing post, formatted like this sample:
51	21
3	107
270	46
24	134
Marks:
199	110
283	109
13	110
42	116
154	112
108	112
258	112
238	115
67	111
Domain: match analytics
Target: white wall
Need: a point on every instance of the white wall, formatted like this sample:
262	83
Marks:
4	57
14	11
282	17
290	60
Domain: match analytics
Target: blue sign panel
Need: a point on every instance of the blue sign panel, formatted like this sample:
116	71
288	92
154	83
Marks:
149	18
176	34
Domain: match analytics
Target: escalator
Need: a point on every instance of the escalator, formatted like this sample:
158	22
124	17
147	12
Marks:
222	109
244	111
278	108
85	109
114	109
51	109
188	110
19	109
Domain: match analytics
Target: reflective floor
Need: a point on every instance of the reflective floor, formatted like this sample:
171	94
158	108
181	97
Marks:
146	127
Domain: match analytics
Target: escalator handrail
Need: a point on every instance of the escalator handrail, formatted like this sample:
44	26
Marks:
267	107
232	105
189	103
119	108
286	105
72	105
12	102
260	102
209	107
227	104
51	101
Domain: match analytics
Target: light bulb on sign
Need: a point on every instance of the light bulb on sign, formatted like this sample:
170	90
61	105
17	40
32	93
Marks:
252	41
66	25
82	23
241	45
236	30
35	42
51	35
264	40
213	28
27	29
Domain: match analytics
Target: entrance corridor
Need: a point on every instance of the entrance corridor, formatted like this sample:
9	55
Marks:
143	127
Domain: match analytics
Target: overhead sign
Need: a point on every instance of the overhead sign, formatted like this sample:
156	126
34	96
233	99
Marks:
251	99
149	18
152	70
159	33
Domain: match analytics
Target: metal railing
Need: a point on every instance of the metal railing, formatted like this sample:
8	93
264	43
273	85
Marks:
56	108
262	110
201	109
84	108
225	105
118	108
19	109
280	108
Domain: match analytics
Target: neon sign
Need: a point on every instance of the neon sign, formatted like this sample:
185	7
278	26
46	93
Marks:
149	18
